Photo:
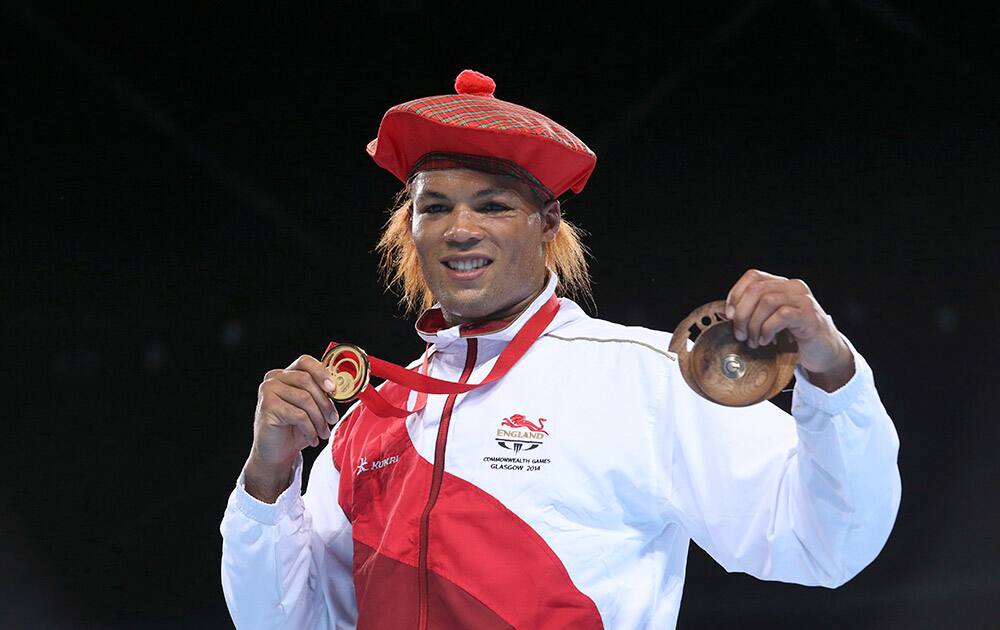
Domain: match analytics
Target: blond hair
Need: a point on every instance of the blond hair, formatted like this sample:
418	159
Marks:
400	268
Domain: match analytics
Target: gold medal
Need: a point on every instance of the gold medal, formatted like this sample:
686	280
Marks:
349	370
724	370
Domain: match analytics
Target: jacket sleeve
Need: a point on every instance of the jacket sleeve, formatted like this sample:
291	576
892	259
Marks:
288	565
809	500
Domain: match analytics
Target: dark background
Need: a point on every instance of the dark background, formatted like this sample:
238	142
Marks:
187	204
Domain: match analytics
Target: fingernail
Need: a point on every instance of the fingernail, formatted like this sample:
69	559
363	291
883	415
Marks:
730	311
740	335
328	385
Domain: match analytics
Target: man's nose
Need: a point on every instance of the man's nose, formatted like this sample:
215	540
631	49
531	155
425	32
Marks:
464	227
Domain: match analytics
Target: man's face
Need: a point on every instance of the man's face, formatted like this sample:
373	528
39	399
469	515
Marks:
480	241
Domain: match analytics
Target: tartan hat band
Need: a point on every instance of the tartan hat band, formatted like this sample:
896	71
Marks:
489	134
497	166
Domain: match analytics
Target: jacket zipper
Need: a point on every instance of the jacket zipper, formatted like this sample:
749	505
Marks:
439	448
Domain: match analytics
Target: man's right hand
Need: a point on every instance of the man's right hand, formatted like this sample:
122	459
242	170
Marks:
293	411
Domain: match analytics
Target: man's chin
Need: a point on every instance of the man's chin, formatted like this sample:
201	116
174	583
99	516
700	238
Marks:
466	310
469	305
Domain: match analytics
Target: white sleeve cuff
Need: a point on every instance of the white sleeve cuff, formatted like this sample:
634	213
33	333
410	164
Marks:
288	502
839	400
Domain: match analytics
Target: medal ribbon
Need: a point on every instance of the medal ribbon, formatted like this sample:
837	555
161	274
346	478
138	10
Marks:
423	384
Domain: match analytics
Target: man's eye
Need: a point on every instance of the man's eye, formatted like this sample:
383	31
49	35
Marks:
495	207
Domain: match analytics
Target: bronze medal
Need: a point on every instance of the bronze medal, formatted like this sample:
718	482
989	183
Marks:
724	370
349	370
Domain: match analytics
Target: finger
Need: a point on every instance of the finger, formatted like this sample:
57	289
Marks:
781	319
806	319
315	369
305	381
744	307
748	278
290	415
303	400
768	304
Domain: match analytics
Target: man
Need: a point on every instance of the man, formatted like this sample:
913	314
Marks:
563	492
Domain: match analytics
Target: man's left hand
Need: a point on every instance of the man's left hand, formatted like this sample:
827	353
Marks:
761	305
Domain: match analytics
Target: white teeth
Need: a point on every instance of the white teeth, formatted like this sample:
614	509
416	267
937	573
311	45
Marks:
467	265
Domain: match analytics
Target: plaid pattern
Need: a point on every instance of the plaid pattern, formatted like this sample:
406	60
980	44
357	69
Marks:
485	112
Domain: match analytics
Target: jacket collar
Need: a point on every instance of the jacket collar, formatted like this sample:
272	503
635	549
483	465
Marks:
430	325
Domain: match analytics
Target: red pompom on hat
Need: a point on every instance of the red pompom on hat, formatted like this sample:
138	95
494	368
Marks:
472	82
475	124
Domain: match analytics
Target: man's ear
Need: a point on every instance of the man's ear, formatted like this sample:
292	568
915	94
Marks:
551	218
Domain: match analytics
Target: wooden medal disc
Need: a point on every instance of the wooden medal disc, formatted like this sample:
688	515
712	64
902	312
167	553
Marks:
349	370
724	370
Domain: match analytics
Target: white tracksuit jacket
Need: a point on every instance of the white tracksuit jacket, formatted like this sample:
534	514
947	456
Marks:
563	495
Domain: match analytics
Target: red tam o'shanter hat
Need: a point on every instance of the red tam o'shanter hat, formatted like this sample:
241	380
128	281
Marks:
473	124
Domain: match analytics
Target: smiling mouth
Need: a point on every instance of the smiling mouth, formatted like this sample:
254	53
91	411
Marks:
468	265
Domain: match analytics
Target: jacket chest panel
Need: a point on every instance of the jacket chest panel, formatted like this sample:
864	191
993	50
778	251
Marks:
558	442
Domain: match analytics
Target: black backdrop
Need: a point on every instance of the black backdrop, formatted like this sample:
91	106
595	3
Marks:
187	204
